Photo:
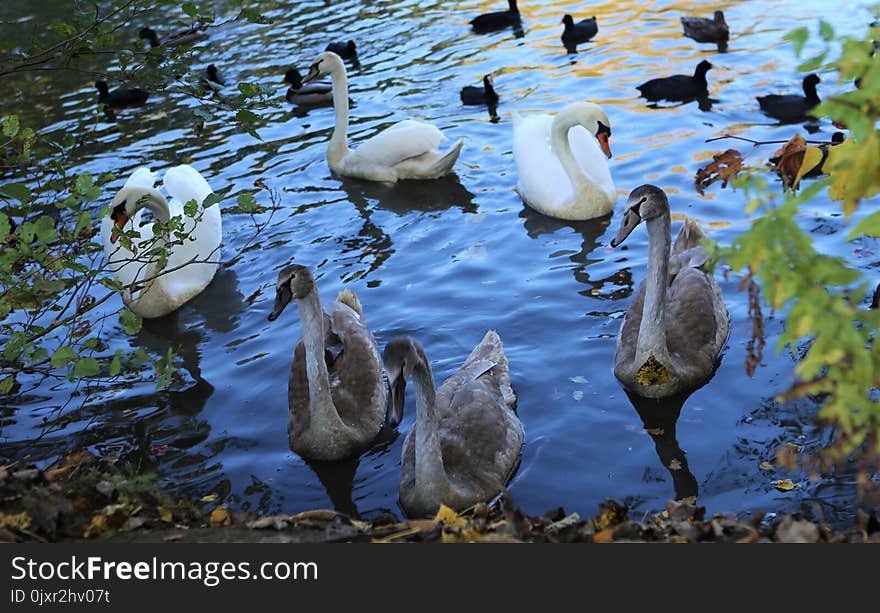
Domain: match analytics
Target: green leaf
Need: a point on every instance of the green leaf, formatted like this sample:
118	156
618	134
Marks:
131	322
211	199
6	384
247	203
249	90
16	191
869	226
190	208
813	63
189	8
45	229
62	356
826	31
116	363
9	125
4	225
85	218
797	37
86	367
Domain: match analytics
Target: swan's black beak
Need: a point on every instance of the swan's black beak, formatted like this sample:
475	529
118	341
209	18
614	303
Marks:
283	296
395	400
630	220
314	73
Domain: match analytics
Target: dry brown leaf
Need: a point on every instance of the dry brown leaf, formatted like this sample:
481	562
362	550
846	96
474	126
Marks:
317	515
604	536
172	537
220	517
723	167
784	485
165	515
97	526
789	158
70	463
655	431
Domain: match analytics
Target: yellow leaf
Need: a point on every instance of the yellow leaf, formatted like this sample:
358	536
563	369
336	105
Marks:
449	517
812	158
209	498
18	521
97	526
220	517
784	485
165	515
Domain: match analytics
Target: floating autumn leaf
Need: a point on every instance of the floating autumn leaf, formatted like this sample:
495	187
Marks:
209	498
784	485
723	167
655	431
787	160
220	517
765	466
675	464
786	456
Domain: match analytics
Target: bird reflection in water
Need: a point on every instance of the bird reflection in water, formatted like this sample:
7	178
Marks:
659	417
338	477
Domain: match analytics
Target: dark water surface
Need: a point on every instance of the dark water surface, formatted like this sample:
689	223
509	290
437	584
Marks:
446	260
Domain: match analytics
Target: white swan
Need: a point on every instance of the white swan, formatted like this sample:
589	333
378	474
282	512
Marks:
165	292
407	150
561	177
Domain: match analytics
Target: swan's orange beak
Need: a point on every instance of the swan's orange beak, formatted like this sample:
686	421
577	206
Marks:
119	221
602	137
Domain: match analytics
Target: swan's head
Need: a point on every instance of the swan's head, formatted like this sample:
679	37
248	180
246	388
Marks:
128	201
327	62
401	356
294	282
645	203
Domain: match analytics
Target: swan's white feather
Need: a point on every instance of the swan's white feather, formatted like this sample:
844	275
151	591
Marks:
543	183
173	289
402	141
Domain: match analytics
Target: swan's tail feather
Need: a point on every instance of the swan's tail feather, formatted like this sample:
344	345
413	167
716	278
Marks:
492	349
350	299
689	236
443	165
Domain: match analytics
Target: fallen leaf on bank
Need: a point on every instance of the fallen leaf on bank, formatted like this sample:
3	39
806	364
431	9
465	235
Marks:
165	515
172	537
784	485
604	536
97	526
611	513
220	517
449	517
69	464
16	521
723	167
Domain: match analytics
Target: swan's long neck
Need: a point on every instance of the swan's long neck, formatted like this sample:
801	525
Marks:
562	123
338	148
430	471
312	317
158	206
652	331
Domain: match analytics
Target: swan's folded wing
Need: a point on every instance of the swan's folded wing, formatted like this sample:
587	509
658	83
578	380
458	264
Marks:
592	159
142	177
692	320
400	142
184	183
357	386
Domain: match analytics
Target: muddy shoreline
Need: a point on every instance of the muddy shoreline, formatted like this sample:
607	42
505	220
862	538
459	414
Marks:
85	498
